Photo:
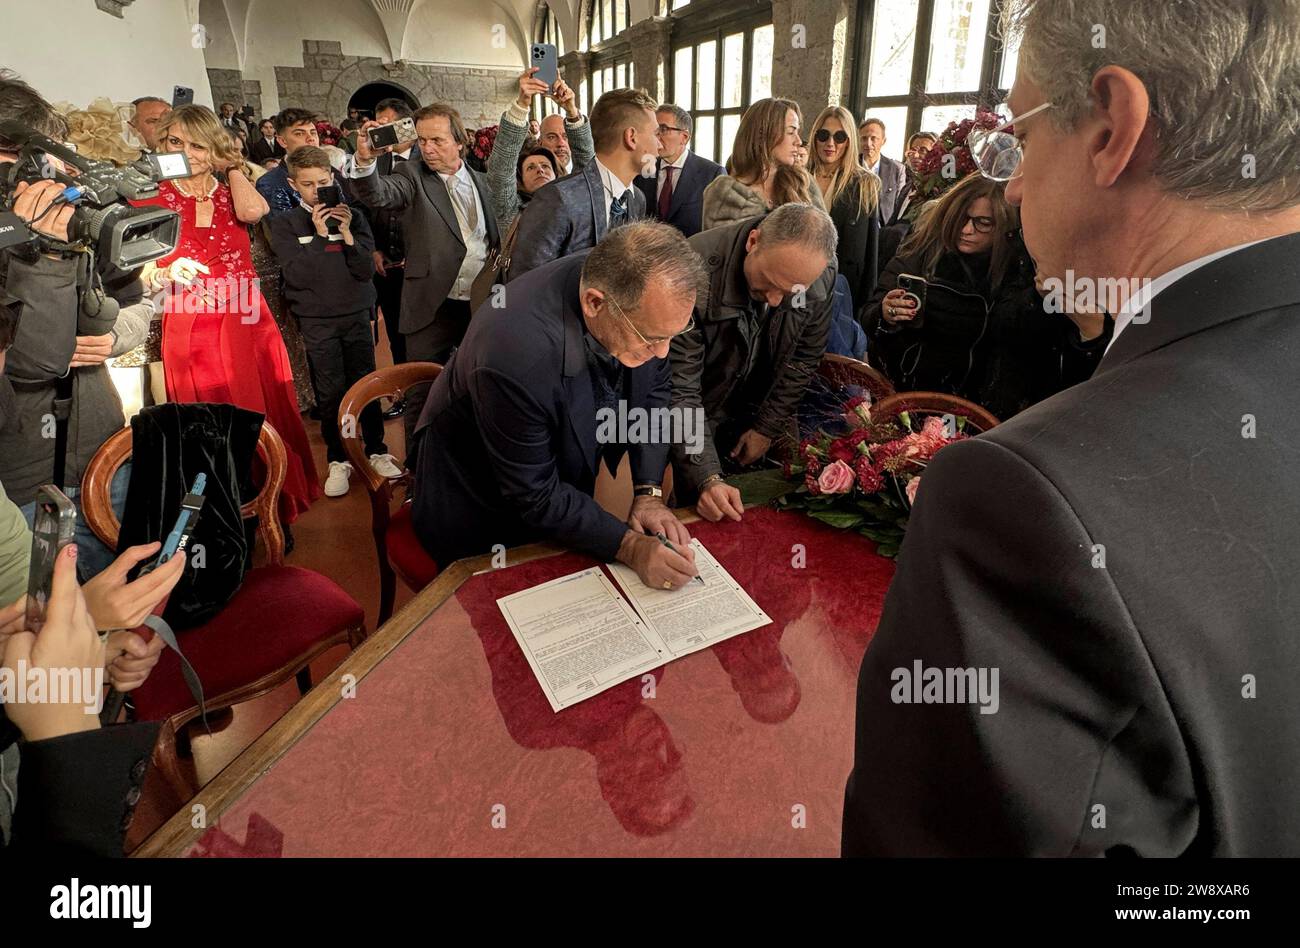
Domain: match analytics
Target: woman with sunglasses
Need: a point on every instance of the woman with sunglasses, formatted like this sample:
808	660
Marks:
852	195
763	171
980	331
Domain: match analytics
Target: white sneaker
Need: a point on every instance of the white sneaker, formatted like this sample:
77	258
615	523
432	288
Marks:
336	485
385	465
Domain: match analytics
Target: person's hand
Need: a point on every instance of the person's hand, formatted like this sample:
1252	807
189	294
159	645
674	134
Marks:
32	200
529	87
117	604
320	215
898	306
343	214
92	350
183	271
751	447
650	515
720	500
565	98
67	641
130	659
271	164
378	257
365	154
654	564
13	618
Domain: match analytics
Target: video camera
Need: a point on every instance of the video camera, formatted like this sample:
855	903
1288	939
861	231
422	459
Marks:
126	237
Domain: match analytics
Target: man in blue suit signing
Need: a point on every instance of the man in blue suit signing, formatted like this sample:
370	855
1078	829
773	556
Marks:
517	425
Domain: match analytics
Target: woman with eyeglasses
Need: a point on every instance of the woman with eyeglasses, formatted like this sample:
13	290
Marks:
852	195
763	171
956	310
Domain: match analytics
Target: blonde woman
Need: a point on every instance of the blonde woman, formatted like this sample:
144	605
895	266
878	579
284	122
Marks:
220	342
852	195
762	172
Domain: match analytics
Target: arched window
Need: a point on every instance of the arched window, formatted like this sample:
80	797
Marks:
921	64
608	19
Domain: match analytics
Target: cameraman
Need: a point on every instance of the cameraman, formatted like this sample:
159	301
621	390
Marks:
64	332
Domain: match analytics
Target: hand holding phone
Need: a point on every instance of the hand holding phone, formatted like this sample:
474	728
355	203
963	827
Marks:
53	529
547	60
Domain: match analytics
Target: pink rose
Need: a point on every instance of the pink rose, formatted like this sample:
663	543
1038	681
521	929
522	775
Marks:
836	478
911	488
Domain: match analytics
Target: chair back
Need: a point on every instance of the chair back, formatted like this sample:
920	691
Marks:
843	371
390	382
933	403
97	482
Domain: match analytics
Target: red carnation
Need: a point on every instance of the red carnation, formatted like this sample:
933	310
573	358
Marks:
869	479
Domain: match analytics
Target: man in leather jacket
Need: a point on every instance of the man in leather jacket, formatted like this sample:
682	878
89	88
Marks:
760	332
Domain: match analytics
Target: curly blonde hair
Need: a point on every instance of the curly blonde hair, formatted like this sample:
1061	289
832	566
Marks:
200	123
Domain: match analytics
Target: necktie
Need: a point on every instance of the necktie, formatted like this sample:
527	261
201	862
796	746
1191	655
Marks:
666	195
460	193
618	211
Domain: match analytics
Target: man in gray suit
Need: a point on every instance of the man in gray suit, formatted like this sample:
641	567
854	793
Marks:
447	225
1114	570
892	174
574	213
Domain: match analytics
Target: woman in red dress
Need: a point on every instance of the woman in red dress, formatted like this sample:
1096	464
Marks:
219	340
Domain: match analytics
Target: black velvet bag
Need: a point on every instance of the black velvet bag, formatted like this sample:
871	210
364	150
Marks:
171	443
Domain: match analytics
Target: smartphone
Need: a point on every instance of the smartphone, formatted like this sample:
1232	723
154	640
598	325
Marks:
547	61
329	195
915	287
52	529
170	164
394	133
182	95
185	523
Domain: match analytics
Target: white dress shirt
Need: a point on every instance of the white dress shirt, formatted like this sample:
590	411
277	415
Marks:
1150	289
679	164
615	187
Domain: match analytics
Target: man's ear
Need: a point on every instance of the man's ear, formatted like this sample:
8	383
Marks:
1120	115
751	242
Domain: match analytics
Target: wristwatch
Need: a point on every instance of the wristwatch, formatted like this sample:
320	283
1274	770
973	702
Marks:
648	490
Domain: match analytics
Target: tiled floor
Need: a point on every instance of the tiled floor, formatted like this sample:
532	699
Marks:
333	538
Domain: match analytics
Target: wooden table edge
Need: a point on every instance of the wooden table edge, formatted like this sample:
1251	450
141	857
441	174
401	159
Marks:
178	834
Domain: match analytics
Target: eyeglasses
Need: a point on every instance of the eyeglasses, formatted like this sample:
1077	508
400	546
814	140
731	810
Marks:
998	153
669	128
982	225
650	343
824	135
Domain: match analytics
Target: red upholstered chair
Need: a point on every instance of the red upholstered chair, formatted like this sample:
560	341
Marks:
281	619
841	370
933	403
399	552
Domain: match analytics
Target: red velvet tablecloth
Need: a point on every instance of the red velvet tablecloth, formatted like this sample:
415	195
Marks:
450	748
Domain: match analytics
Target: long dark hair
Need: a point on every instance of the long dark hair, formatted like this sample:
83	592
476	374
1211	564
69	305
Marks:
938	228
761	129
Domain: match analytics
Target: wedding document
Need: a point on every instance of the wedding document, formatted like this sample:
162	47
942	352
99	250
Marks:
581	637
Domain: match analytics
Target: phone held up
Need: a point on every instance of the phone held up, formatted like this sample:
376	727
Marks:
182	95
394	133
547	61
52	529
915	287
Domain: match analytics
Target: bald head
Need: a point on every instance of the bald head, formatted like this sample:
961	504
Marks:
554	136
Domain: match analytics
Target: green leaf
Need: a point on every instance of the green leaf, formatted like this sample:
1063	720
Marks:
889	550
760	488
842	519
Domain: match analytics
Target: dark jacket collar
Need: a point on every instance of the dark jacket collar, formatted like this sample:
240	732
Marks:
1258	278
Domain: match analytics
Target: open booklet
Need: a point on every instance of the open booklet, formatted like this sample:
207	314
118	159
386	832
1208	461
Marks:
581	636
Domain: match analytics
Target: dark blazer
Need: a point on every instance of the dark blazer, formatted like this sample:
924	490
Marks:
858	250
386	223
434	248
1125	554
259	152
506	447
688	193
564	217
894	189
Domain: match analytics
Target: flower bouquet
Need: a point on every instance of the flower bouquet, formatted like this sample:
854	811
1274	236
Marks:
484	139
328	134
860	474
937	172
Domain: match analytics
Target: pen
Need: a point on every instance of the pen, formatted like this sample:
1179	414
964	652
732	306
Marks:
664	540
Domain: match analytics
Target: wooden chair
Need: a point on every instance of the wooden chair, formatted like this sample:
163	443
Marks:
396	546
841	370
281	619
933	403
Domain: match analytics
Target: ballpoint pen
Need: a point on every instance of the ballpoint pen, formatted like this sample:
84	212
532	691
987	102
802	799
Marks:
664	540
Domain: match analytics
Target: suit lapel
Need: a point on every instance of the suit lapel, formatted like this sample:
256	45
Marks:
437	194
597	188
690	168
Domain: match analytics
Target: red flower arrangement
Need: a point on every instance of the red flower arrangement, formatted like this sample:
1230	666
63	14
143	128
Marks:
866	477
484	139
936	173
328	134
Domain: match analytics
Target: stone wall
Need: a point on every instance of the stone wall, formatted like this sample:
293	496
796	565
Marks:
327	80
229	85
